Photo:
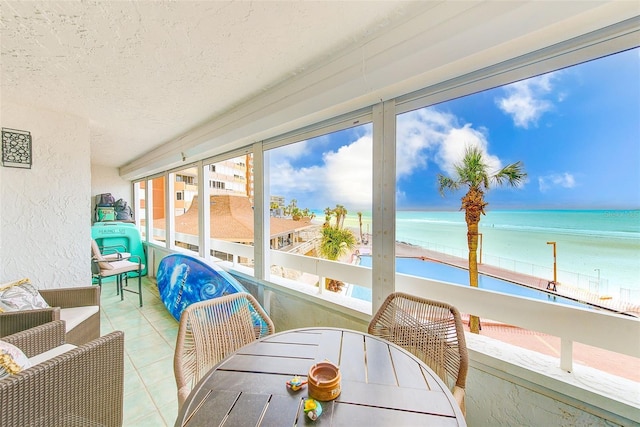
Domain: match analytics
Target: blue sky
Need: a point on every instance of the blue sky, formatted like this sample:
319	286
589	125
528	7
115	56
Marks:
576	130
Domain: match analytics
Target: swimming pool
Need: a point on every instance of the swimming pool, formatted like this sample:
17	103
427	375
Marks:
459	276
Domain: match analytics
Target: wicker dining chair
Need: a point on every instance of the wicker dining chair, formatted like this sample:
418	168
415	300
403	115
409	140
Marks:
211	330
432	331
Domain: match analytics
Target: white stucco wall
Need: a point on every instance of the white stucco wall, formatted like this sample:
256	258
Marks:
45	211
512	386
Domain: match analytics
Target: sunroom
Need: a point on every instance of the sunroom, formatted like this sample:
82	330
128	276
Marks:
124	97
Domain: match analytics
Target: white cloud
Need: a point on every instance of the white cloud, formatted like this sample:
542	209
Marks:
415	133
454	146
348	171
291	152
526	101
285	178
439	134
344	175
564	180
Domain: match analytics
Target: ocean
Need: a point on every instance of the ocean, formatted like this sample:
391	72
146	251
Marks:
597	250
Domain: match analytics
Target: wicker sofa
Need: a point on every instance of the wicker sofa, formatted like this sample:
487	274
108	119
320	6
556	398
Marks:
80	387
79	307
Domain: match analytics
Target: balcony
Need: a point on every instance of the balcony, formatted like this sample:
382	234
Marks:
506	384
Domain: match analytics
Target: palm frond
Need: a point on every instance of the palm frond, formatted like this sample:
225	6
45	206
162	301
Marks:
446	183
473	172
336	242
513	174
473	169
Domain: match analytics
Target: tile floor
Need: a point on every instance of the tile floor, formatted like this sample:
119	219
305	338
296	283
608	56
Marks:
150	336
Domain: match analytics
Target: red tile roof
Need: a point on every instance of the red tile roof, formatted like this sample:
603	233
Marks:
232	220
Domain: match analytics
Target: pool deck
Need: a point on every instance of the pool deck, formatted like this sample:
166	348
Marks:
613	363
581	295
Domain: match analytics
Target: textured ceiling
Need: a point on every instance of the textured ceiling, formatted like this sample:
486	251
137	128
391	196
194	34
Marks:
165	78
145	72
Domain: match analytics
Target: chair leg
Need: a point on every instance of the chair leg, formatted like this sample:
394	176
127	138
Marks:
119	278
140	286
100	283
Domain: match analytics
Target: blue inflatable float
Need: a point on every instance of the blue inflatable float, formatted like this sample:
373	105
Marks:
184	280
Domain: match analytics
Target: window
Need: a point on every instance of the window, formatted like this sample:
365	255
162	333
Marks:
156	194
139	208
321	198
217	185
576	131
191	180
231	212
185	209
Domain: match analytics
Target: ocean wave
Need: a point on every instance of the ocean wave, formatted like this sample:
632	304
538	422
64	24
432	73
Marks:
565	231
430	221
599	224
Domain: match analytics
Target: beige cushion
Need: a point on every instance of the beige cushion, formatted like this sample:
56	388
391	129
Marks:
75	315
97	255
51	353
119	267
113	264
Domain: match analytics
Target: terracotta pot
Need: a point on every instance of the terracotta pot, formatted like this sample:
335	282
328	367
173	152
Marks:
324	381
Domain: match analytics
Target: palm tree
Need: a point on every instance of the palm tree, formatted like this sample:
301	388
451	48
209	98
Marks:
327	216
340	212
293	204
474	174
296	213
306	212
360	222
336	241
